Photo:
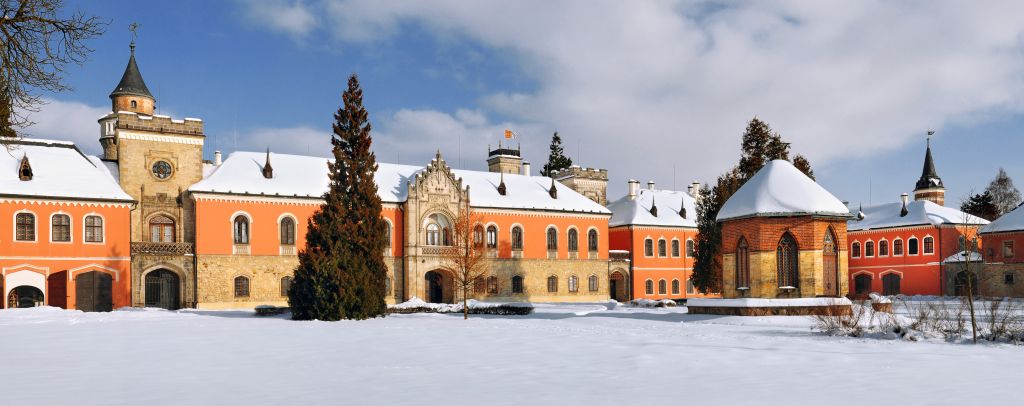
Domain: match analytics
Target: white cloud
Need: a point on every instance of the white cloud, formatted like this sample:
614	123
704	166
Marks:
649	86
292	140
291	17
68	121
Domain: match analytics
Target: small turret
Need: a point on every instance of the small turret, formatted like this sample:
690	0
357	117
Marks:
268	171
131	93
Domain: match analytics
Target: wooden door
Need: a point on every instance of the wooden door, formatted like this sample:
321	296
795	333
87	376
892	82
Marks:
57	289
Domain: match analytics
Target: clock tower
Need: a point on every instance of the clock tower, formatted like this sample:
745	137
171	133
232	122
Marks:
155	159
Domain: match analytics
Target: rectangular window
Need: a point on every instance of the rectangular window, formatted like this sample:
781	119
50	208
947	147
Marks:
93	229
60	228
1007	249
1008	278
26	227
929	245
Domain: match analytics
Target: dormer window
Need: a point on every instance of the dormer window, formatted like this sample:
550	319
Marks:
25	169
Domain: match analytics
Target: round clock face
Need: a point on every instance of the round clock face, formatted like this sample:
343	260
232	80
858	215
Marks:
162	170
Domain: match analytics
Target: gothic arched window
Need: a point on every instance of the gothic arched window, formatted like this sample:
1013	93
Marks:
742	264
241	229
786	256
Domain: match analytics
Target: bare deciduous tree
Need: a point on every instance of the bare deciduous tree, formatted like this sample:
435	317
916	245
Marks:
466	259
37	41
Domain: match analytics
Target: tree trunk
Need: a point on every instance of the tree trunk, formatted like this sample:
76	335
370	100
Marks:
465	304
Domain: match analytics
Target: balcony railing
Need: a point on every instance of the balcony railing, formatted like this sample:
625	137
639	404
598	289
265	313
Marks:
436	250
162	248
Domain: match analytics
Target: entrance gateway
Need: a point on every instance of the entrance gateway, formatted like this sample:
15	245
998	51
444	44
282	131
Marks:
163	289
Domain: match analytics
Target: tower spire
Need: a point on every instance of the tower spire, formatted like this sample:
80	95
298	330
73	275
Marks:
131	93
929	186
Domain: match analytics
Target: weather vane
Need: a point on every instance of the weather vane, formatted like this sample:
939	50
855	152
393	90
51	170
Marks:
134	28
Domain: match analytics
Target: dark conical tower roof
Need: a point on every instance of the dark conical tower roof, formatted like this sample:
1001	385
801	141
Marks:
929	178
131	82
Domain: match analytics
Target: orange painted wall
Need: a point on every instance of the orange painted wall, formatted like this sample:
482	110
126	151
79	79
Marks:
112	256
535	228
993	244
656	267
920	274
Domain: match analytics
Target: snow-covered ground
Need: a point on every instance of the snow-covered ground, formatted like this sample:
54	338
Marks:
593	354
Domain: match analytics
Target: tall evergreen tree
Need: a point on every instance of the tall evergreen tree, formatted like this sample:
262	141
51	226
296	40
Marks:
981	205
1005	196
341	273
556	159
760	145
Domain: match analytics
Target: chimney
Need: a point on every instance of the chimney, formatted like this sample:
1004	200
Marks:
217	160
526	168
689	189
696	190
634	188
650	185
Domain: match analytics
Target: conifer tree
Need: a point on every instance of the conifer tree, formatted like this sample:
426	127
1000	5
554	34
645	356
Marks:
1005	196
556	159
341	273
803	165
981	205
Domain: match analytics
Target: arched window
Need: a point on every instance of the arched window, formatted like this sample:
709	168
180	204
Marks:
592	283
433	234
574	285
492	237
929	245
288	231
517	284
552	284
241	230
552	239
517	238
830	264
689	287
93	229
60	228
135	104
891	284
662	287
161	229
478	236
883	248
492	285
649	287
649	247
438	230
592	240
387	235
786	257
855	250
897	247
25	230
675	248
742	264
912	248
689	248
862	284
241	286
869	249
662	248
574	243
675	286
286	285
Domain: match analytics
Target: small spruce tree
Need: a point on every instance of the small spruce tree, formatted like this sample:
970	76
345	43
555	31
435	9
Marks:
341	273
981	205
556	159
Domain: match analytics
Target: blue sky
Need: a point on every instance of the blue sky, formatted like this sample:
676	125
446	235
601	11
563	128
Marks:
639	88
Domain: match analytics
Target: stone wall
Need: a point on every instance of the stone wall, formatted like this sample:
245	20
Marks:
1002	280
217	274
181	265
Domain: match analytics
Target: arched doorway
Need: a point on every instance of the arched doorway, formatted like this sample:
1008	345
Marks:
862	285
439	287
93	292
617	287
24	296
162	289
960	283
830	265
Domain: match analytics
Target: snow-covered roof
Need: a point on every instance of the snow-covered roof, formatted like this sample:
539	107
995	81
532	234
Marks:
960	256
780	189
306	176
1012	221
637	211
919	212
59	170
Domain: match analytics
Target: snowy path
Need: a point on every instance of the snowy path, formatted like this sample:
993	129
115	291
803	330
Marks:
563	354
